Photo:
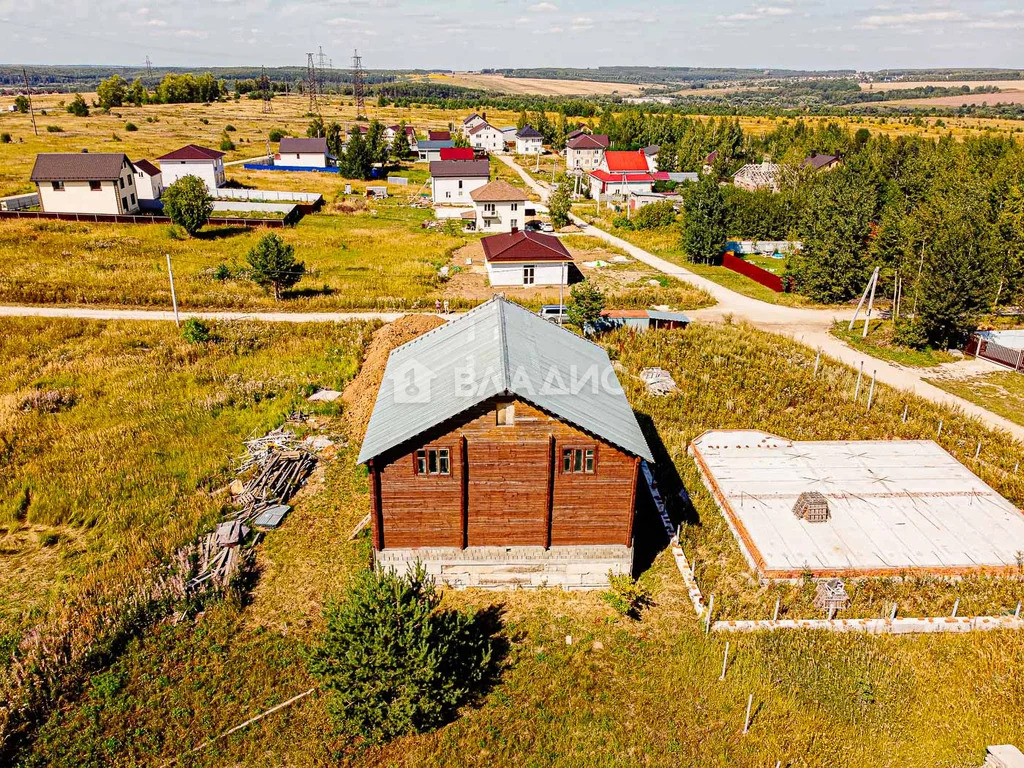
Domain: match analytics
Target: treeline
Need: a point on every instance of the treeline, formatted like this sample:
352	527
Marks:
115	91
455	97
616	74
944	219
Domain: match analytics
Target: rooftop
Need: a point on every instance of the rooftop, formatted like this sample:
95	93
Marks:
500	348
896	506
499	191
78	166
192	152
524	245
290	144
625	161
457	153
422	145
146	167
464	169
529	132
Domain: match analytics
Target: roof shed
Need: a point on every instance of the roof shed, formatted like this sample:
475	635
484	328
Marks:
78	166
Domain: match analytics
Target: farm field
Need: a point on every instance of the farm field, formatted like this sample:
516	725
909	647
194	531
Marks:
967	99
621	689
537	85
903	85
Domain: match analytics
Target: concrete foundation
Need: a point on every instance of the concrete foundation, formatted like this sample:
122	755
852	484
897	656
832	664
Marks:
514	567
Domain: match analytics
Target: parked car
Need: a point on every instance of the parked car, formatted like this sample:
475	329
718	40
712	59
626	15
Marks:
546	227
533	225
556	313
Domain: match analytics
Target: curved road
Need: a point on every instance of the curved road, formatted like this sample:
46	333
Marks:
809	326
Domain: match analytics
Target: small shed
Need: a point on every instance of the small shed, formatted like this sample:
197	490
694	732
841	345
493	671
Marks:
377	193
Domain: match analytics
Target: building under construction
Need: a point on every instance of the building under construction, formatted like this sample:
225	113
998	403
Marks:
863	508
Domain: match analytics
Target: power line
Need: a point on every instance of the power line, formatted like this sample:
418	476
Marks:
314	106
265	90
357	84
28	95
149	67
321	62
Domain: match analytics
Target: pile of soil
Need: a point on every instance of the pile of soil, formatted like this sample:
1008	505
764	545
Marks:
361	393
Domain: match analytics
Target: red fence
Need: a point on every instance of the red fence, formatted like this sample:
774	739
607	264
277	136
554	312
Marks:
128	218
996	353
768	279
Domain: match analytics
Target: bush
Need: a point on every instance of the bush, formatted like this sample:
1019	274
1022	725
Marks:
910	333
627	595
229	127
129	126
204	121
188	203
393	663
655	215
622	222
272	264
54	129
78	107
276	134
195	331
226	144
5	138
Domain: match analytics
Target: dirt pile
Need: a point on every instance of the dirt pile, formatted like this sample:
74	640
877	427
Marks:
361	393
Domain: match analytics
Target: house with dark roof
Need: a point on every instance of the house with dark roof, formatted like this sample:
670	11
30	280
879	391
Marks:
470	122
709	163
524	259
650	153
303	153
148	180
452	181
529	141
85	182
193	160
503	453
817	162
499	207
485	136
439	135
585	151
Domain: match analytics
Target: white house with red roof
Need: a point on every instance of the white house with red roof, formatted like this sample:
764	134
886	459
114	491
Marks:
621	173
193	160
148	180
525	258
471	122
585	151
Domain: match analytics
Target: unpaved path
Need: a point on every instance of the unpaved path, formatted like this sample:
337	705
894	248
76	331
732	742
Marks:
809	326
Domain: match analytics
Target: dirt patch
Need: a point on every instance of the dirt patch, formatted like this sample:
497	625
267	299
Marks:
538	85
361	393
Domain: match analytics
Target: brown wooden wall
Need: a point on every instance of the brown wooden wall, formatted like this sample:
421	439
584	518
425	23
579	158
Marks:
506	487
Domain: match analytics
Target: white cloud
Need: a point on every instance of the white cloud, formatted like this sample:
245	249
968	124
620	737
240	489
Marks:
757	13
538	7
156	23
903	19
582	23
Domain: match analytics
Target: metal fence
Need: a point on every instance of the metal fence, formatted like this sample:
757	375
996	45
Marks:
127	218
768	279
996	353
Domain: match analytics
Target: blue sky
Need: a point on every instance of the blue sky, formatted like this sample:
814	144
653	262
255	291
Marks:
458	34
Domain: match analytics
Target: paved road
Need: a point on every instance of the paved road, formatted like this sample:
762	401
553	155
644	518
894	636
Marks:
810	326
165	315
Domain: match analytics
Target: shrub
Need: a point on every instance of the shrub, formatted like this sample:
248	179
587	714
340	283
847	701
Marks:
910	333
226	144
54	129
276	134
623	222
188	203
5	138
78	107
272	264
229	127
222	272
195	331
204	121
129	126
393	663
655	215
627	595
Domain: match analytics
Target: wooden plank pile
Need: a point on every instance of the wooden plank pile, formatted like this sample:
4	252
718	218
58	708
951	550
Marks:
282	466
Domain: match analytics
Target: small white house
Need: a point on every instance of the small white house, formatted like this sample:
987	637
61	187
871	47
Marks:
529	141
499	207
585	151
148	180
410	135
86	182
431	150
485	136
193	160
524	259
470	123
605	184
452	181
651	156
303	153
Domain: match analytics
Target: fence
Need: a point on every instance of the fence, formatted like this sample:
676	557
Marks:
17	202
265	167
127	218
309	202
757	274
996	353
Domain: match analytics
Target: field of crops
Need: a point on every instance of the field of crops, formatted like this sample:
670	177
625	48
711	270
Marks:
580	684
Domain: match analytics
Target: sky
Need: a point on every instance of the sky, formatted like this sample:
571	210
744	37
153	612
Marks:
464	35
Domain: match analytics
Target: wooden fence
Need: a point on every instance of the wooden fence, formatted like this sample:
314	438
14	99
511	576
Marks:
128	218
996	353
768	279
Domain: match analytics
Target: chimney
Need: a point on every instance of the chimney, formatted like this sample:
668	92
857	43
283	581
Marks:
85	151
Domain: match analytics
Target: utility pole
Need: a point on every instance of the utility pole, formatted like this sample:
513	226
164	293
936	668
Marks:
174	297
357	84
314	106
321	62
265	92
28	95
871	302
149	67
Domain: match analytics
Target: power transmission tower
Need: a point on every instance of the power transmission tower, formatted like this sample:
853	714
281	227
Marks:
265	92
149	67
357	84
314	106
28	95
320	64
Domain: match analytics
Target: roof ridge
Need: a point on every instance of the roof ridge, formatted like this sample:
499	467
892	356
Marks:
506	376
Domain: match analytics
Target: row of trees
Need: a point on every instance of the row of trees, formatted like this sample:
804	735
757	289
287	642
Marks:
186	88
945	219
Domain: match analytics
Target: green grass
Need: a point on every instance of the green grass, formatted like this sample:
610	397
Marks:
879	343
127	472
651	694
1001	392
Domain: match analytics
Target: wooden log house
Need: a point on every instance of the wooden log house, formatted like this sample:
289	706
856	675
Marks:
503	452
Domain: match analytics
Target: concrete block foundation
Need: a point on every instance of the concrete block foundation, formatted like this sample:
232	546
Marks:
583	567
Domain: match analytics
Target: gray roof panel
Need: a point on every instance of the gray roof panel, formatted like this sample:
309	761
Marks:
500	348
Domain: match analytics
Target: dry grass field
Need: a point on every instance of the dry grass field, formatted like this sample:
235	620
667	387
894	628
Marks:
967	99
537	86
905	85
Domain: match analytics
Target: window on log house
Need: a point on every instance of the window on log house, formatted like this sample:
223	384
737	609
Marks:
433	461
506	414
578	460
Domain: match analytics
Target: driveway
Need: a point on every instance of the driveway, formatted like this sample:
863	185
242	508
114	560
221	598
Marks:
809	326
